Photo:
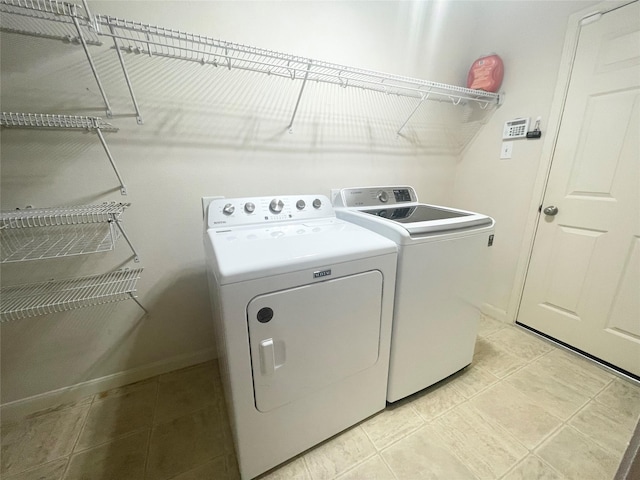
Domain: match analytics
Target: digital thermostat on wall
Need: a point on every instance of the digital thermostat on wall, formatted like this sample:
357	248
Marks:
516	128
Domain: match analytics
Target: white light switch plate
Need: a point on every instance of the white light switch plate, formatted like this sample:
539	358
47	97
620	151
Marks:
506	150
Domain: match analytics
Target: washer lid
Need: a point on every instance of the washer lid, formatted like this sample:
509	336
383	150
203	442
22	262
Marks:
397	207
421	218
248	253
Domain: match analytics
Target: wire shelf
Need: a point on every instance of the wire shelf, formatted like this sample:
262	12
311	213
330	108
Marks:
52	10
136	37
30	300
45	120
141	38
35	234
53	121
46	18
58	216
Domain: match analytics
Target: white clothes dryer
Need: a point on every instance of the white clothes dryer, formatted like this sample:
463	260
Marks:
442	268
303	304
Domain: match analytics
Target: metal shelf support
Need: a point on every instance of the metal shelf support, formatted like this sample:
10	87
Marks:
413	112
93	67
127	79
123	187
295	109
118	224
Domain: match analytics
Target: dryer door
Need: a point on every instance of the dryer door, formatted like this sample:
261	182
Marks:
305	338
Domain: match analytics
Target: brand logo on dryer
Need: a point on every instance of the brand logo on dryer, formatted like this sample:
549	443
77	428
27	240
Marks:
322	273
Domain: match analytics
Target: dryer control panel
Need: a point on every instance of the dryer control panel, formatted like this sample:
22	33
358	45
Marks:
255	210
375	196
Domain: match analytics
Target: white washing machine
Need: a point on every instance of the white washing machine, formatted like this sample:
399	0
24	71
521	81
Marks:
442	268
303	304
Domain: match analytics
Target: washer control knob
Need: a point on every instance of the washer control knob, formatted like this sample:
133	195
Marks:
228	209
317	203
300	204
382	196
249	207
276	205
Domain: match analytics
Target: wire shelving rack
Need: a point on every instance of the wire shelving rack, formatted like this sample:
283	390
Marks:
70	122
30	300
34	17
141	38
34	234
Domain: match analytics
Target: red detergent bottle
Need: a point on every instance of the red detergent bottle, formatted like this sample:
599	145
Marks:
486	73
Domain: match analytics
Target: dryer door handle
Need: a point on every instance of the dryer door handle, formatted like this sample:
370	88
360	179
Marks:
267	357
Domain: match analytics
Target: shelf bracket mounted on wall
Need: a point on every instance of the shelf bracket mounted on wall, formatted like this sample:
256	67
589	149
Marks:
98	130
423	97
65	122
295	109
126	77
136	257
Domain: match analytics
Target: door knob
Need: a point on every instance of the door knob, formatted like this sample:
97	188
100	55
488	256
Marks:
551	210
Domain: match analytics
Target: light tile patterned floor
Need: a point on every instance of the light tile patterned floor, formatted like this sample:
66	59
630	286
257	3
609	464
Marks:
524	409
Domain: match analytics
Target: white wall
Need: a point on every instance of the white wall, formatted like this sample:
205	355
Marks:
206	131
529	37
211	131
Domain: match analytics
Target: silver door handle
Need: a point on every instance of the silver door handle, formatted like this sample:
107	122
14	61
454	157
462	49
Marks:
551	210
267	357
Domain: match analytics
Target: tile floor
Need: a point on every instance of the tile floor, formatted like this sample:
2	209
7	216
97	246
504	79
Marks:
524	409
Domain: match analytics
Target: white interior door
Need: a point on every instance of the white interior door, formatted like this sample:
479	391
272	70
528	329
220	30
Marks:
583	282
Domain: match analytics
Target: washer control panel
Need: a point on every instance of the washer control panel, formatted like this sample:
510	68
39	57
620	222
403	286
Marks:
374	196
254	210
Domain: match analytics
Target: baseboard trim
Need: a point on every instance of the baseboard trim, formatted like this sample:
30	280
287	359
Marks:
18	409
494	312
